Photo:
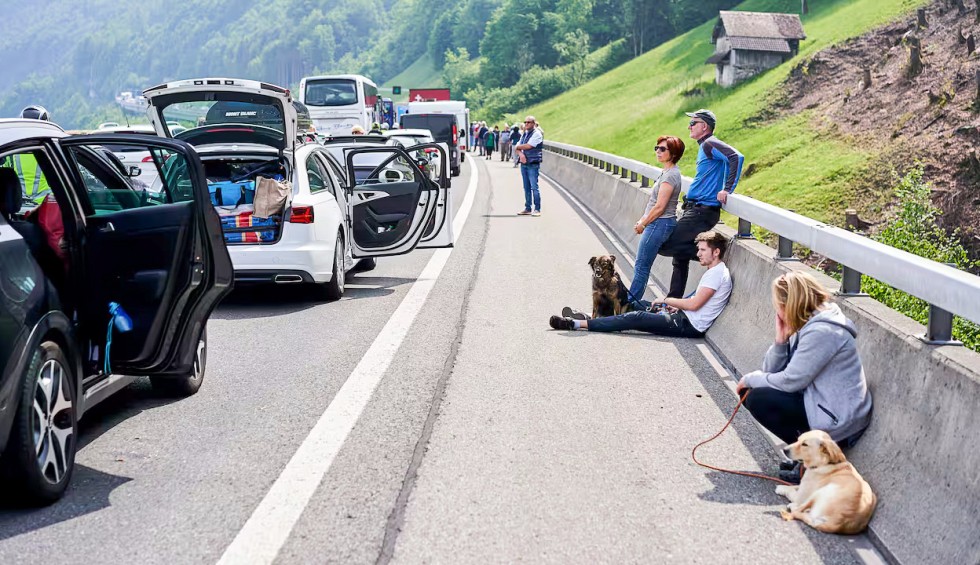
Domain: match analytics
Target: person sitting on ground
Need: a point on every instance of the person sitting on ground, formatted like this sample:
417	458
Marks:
677	317
811	378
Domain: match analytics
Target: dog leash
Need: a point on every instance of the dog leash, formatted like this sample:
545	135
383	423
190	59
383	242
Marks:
694	451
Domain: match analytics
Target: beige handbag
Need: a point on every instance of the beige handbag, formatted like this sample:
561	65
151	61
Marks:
270	196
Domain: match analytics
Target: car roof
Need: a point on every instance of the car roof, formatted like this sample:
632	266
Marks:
16	129
412	132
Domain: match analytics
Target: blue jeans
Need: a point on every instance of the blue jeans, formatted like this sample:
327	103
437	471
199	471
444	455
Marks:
529	173
654	235
662	323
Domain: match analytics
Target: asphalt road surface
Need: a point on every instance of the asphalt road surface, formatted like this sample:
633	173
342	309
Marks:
430	416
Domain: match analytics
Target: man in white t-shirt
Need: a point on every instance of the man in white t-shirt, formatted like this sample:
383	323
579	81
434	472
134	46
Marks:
677	317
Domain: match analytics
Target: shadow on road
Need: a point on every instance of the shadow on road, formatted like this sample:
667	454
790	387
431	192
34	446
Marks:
267	301
89	492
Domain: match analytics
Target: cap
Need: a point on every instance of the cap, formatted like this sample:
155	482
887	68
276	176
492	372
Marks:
707	116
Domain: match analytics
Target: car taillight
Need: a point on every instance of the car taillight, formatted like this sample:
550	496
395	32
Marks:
147	159
301	215
455	135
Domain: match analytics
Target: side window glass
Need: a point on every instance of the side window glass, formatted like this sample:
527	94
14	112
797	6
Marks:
161	178
383	168
31	169
329	174
315	175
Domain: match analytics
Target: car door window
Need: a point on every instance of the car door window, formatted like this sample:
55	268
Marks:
31	169
383	168
110	188
315	174
329	176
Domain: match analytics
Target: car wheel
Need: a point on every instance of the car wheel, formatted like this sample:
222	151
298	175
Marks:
40	455
462	156
454	171
188	384
367	264
335	288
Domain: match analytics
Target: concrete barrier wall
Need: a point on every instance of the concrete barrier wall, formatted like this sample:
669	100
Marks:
918	454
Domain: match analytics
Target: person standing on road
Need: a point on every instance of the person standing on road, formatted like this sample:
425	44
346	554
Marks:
675	317
515	137
491	141
531	150
660	216
33	181
481	138
503	136
719	167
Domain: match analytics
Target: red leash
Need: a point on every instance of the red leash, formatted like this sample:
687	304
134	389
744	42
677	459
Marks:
714	437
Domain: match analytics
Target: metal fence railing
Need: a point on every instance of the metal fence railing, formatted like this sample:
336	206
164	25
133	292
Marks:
948	291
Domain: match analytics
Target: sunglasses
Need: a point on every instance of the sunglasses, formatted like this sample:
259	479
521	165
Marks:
693	123
528	122
659	148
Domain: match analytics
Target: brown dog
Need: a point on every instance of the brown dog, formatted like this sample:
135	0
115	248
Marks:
609	295
832	497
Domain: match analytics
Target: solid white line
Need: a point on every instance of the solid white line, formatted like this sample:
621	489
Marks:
265	532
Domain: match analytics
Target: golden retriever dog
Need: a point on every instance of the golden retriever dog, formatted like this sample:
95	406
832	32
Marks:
832	497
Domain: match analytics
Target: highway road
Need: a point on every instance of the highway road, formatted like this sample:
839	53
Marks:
430	416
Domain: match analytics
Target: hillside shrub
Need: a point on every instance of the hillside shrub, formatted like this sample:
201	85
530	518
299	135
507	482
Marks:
915	229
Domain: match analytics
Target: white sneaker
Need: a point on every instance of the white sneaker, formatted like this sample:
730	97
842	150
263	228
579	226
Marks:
536	213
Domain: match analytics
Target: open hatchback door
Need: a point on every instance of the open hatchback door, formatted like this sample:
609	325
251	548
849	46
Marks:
394	205
158	253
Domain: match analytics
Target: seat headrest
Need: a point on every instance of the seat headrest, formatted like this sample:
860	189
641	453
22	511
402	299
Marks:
11	192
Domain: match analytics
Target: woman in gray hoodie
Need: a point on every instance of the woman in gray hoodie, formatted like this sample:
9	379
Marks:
812	377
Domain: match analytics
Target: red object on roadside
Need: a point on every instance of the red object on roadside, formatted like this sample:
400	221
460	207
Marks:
428	94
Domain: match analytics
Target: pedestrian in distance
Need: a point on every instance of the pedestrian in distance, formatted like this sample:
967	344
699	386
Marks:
718	168
531	150
503	136
673	317
516	131
357	130
481	139
660	215
811	378
491	141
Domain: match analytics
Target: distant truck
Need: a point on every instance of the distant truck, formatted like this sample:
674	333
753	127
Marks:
457	108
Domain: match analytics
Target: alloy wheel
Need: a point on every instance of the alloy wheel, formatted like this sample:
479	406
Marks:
51	426
338	264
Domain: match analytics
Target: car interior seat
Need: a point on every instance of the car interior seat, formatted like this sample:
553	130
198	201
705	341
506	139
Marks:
11	201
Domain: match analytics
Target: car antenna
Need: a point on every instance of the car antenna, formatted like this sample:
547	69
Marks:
125	116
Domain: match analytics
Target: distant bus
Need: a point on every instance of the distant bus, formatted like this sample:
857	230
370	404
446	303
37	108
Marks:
337	103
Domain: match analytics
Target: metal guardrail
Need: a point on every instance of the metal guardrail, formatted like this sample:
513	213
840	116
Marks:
948	291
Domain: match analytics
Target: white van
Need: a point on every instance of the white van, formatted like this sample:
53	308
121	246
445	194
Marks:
337	103
456	107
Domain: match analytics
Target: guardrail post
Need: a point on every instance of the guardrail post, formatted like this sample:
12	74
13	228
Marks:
644	181
784	250
633	176
607	166
744	229
939	328
850	282
623	173
615	169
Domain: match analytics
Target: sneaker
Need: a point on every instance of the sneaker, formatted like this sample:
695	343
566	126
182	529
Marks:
524	213
536	213
792	476
559	323
569	312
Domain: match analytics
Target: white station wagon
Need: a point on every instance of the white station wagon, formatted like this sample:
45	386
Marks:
337	212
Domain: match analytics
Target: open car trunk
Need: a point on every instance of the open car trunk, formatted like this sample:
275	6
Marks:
232	184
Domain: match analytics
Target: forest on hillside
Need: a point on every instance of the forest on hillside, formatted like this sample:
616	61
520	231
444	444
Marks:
74	56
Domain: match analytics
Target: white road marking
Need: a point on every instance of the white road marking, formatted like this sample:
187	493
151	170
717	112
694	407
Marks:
269	526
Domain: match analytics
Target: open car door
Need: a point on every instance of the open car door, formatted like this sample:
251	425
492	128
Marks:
432	159
156	251
392	201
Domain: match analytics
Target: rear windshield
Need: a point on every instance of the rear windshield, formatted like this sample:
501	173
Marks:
265	113
330	92
441	125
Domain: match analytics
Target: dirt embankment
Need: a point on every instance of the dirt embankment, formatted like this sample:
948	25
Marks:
931	116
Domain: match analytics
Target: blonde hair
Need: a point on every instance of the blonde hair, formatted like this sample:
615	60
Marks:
799	295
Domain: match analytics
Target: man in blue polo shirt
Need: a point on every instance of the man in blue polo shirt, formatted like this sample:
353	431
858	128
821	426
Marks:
719	167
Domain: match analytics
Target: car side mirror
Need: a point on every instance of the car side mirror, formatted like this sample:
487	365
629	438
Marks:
134	171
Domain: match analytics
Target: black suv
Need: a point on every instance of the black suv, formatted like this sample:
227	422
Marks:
101	280
444	130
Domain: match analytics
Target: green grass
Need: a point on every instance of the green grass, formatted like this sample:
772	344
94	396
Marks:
799	162
420	74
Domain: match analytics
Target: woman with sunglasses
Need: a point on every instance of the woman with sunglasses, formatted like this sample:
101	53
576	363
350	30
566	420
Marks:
660	216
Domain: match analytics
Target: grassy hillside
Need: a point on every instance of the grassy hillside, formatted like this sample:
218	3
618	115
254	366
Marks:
796	161
420	74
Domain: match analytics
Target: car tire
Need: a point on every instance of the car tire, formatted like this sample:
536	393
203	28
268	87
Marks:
368	264
454	171
47	421
186	385
334	289
462	156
